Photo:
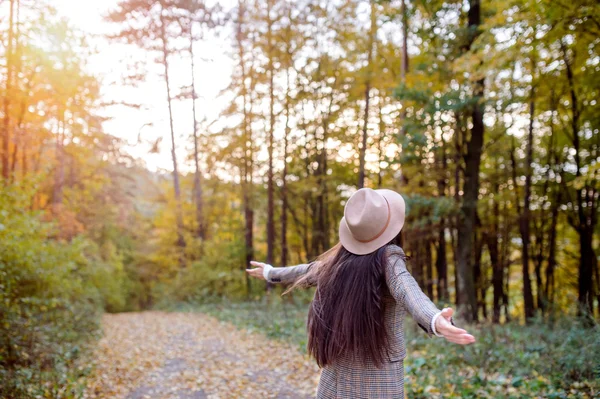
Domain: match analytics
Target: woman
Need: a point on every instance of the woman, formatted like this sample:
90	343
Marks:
355	321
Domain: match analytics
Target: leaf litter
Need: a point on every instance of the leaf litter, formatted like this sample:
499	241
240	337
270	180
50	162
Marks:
151	355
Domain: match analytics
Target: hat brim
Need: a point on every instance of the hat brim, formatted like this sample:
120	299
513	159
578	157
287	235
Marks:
398	211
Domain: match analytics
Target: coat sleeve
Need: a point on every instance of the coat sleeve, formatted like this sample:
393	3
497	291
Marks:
290	274
406	291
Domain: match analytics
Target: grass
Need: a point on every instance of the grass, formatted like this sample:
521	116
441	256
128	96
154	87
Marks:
509	361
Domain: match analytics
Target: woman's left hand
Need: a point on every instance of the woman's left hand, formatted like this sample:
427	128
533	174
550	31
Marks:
257	272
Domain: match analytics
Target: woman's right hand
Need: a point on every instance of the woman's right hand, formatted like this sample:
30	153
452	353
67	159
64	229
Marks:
444	326
257	272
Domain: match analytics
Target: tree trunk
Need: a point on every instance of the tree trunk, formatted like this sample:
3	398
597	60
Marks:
466	284
497	266
319	244
417	260
404	61
478	272
441	261
20	132
308	245
247	181
428	268
320	211
363	148
441	264
583	224
284	199
200	230
176	187
59	173
454	231
6	137
468	210
586	268
24	164
597	278
16	69
525	217
270	199
540	234
505	253
551	266
380	144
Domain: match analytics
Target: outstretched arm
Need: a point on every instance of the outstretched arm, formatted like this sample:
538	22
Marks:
272	274
406	290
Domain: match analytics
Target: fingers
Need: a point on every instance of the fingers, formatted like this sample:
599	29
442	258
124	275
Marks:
449	328
445	327
257	264
462	339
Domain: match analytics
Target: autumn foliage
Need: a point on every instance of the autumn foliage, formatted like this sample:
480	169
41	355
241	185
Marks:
483	114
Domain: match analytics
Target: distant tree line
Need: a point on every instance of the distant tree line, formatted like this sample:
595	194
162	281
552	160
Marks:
484	115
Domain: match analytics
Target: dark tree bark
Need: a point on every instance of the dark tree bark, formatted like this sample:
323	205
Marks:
466	284
584	217
497	266
457	169
428	267
525	215
417	259
441	262
542	237
478	272
468	210
551	265
505	260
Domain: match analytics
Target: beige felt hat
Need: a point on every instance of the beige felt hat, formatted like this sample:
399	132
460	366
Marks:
372	218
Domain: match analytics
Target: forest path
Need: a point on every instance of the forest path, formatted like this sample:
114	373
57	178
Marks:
160	355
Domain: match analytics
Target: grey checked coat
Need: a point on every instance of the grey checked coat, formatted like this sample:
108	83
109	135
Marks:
348	377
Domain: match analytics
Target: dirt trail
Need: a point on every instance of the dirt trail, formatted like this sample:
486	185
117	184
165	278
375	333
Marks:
158	355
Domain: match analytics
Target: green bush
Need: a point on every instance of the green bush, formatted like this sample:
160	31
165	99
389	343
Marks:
510	361
216	275
49	310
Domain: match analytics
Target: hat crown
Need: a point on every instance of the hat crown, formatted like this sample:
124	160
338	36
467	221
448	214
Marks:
367	214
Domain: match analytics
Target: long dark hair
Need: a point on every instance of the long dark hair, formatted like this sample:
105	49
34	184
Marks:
347	312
